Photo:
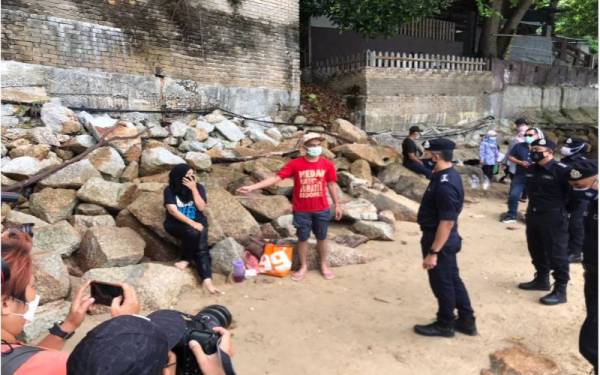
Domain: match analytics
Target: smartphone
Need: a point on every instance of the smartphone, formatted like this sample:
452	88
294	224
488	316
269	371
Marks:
104	293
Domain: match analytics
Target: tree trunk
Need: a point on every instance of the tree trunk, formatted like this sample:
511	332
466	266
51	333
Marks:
511	24
491	24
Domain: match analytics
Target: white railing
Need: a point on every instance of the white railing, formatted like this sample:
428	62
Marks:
426	61
399	60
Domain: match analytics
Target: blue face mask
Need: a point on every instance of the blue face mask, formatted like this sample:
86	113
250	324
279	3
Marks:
314	151
529	139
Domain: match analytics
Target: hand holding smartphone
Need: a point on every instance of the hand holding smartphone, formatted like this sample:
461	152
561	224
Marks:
104	293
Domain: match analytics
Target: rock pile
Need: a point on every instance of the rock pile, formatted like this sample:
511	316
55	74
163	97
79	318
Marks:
102	216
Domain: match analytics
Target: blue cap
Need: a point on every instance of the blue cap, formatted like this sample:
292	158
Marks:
544	142
574	143
583	169
128	344
439	144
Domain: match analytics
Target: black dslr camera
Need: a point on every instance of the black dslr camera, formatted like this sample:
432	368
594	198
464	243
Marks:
200	328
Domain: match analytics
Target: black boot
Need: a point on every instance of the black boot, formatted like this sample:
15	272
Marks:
539	282
558	295
435	329
466	325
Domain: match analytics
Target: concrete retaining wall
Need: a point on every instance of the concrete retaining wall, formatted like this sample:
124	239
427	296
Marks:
211	49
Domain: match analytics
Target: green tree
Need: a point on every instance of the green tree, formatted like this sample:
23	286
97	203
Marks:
371	18
578	19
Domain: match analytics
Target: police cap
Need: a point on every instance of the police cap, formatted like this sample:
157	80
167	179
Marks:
583	169
439	144
544	142
574	142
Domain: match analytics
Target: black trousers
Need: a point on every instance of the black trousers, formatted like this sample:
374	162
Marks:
547	241
588	336
488	171
576	230
444	279
194	246
418	168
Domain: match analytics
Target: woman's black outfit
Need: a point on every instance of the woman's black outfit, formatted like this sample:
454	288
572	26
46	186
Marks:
194	243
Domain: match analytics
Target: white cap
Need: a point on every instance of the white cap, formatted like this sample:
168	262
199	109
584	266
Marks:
491	133
310	136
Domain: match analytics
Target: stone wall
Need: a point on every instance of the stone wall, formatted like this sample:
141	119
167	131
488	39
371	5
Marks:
215	52
517	100
395	99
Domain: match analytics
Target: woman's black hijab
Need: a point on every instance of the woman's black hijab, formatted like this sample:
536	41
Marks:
176	182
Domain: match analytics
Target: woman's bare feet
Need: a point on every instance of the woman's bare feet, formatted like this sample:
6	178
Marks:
209	287
182	264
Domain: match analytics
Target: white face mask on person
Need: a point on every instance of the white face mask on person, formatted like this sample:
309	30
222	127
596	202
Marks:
314	151
566	151
32	306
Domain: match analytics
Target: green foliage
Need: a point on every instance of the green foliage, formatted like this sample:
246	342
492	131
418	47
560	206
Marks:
579	19
372	18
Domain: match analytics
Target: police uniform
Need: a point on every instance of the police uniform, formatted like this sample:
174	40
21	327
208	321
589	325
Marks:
588	336
443	200
573	152
547	225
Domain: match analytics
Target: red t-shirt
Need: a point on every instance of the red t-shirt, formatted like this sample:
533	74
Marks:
310	183
45	362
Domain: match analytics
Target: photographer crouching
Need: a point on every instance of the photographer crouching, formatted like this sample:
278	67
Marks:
165	342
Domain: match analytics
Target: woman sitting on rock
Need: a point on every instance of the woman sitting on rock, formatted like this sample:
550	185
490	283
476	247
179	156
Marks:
19	303
185	201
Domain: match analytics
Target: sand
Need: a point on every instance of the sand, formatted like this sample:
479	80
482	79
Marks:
361	322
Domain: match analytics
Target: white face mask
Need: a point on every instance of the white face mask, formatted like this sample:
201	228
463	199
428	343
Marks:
314	151
32	306
566	151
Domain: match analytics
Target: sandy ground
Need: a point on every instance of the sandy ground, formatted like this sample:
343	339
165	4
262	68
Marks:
361	322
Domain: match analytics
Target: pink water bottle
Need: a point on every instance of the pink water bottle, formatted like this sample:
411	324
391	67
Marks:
239	270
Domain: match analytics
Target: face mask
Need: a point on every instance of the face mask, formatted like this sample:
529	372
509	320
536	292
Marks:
493	139
536	156
314	151
417	136
32	306
529	139
565	151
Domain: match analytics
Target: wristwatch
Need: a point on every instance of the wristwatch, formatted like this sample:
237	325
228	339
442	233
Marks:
432	252
57	331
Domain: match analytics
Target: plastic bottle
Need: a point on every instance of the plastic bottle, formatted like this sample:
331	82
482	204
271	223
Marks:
474	182
239	270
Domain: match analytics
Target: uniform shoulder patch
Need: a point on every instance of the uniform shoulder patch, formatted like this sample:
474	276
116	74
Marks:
575	174
563	165
444	178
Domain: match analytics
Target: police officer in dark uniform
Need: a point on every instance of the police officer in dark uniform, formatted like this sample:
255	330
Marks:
547	184
438	218
574	150
584	180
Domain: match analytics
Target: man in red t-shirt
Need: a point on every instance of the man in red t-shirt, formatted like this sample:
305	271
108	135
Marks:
313	175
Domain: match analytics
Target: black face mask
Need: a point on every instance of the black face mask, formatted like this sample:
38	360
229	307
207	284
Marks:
536	156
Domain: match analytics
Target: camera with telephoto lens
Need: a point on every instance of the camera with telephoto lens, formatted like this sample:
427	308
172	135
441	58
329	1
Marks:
200	328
